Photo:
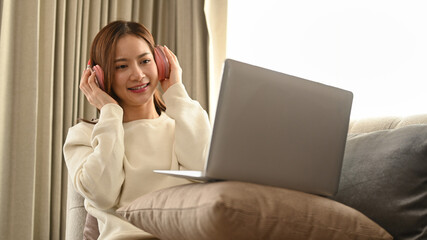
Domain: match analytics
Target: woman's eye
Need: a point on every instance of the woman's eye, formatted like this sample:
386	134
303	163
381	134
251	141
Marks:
146	61
121	66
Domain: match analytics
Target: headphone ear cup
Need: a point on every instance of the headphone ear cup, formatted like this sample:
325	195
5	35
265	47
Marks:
162	63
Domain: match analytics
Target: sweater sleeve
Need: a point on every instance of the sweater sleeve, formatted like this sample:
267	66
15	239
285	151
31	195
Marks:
94	157
192	127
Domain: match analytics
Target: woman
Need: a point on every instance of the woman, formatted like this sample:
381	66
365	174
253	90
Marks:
111	162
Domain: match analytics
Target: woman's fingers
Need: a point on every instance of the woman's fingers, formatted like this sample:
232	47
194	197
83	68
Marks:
173	60
84	85
93	93
92	81
85	76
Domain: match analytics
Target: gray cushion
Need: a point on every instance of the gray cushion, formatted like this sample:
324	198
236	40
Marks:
384	176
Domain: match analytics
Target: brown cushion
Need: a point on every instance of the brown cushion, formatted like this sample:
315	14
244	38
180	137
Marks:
90	231
237	210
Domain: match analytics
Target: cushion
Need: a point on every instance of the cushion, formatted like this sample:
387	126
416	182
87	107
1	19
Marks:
237	210
384	176
90	231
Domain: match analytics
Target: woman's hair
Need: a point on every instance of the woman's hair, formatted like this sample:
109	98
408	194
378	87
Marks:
103	52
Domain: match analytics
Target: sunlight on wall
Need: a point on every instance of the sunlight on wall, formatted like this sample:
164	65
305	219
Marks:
375	48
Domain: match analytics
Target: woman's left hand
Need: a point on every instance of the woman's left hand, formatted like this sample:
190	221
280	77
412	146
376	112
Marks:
175	70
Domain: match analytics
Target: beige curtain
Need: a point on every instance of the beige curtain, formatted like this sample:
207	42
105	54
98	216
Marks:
44	47
216	15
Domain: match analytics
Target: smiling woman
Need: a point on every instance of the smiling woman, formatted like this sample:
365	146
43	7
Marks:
111	162
374	48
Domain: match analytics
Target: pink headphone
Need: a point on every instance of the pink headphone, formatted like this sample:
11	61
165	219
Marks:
161	62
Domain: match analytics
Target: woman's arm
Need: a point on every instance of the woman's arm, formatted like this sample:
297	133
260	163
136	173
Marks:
94	157
192	127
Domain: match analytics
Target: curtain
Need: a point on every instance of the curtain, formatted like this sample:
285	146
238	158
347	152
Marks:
216	15
44	48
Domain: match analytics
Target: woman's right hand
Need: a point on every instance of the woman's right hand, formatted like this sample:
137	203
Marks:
95	95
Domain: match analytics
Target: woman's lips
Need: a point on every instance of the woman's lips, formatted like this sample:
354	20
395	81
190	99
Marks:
139	88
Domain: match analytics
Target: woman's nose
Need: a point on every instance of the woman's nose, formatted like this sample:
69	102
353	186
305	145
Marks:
136	73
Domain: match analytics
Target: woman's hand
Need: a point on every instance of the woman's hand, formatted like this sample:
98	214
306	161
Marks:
175	70
96	96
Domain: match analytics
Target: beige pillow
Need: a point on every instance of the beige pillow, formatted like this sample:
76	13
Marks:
237	210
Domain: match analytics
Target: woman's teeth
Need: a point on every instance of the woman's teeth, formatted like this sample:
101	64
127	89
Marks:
140	87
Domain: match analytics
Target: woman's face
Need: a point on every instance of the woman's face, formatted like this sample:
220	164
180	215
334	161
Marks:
135	75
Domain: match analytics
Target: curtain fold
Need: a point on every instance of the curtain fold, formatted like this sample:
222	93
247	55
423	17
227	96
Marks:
18	117
216	16
44	47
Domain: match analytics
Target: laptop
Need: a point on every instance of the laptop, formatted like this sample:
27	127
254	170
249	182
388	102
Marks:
276	129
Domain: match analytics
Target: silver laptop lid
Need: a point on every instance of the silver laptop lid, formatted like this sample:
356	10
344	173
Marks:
276	129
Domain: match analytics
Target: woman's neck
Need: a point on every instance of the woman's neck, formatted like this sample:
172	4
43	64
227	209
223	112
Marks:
146	111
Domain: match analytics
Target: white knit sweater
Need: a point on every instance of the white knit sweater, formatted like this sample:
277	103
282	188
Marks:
111	162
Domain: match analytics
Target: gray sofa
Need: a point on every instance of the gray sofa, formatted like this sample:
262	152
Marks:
384	177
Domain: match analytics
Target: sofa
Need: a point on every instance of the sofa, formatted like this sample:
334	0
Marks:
382	195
